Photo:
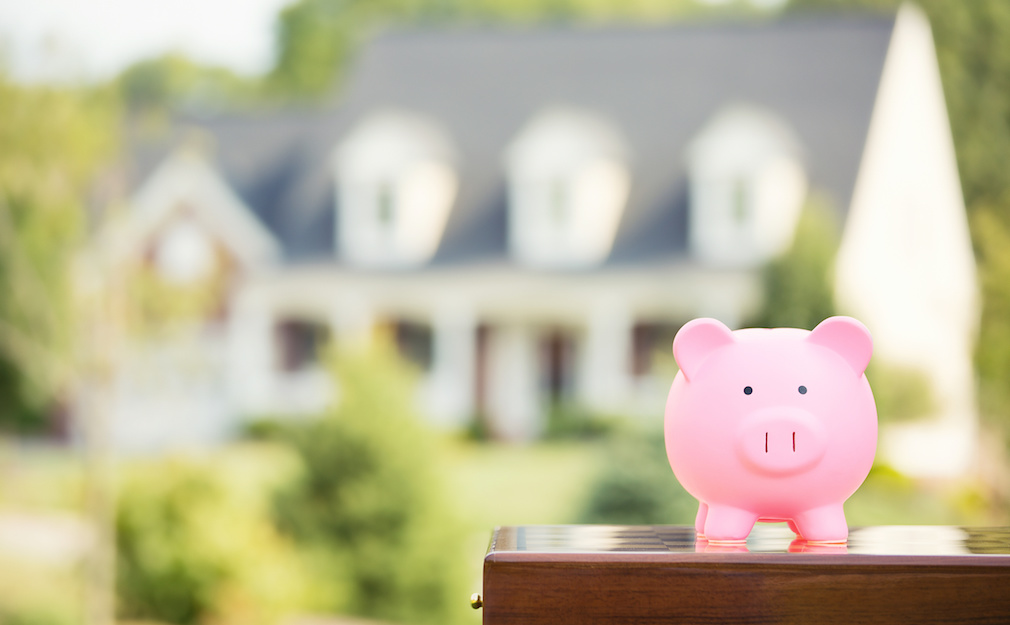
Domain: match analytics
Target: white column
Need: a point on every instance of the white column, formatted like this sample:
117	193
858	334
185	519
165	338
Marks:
606	368
251	352
513	376
352	321
450	389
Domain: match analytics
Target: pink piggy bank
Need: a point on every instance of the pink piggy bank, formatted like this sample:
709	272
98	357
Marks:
771	425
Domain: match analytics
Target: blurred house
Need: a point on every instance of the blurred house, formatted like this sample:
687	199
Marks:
533	213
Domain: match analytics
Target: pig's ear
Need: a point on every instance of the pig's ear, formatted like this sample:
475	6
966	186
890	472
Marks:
846	337
696	340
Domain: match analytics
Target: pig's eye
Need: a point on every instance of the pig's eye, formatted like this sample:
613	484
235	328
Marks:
747	390
802	390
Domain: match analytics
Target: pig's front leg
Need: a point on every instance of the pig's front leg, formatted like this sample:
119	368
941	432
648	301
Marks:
699	521
728	524
825	524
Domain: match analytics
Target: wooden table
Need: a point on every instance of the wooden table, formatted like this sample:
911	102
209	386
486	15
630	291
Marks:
543	574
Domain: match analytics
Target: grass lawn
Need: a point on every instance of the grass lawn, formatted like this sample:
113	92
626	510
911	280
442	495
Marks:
40	477
520	485
889	498
548	483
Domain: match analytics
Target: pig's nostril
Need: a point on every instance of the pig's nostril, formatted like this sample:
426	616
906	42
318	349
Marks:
766	442
794	441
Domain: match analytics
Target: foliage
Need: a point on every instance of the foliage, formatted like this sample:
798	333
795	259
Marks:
992	355
174	82
34	592
157	305
50	142
196	542
566	420
888	497
368	504
635	485
901	392
797	285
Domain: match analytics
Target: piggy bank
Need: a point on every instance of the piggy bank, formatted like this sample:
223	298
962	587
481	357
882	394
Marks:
775	425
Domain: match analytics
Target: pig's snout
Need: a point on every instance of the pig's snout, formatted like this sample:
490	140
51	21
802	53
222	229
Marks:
781	440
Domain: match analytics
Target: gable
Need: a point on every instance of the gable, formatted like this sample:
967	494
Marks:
187	183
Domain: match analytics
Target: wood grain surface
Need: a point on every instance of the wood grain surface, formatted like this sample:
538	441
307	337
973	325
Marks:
915	581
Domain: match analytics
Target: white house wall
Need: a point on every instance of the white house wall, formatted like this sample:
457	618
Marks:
599	309
170	393
905	266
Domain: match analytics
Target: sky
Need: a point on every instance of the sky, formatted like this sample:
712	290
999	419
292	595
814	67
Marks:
88	40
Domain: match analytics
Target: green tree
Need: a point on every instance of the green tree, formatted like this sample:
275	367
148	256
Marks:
196	541
51	144
798	284
368	506
992	356
173	82
636	485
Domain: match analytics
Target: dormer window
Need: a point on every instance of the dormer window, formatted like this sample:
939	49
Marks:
395	188
747	188
568	184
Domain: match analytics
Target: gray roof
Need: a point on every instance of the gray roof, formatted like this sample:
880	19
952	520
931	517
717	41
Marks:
657	86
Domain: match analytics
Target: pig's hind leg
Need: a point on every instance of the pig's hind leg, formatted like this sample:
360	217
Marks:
699	521
825	524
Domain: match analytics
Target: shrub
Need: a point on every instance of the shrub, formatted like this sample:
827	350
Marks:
798	285
367	505
196	543
636	485
901	392
567	421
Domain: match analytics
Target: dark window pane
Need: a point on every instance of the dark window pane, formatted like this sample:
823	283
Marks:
650	339
414	342
299	343
557	364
